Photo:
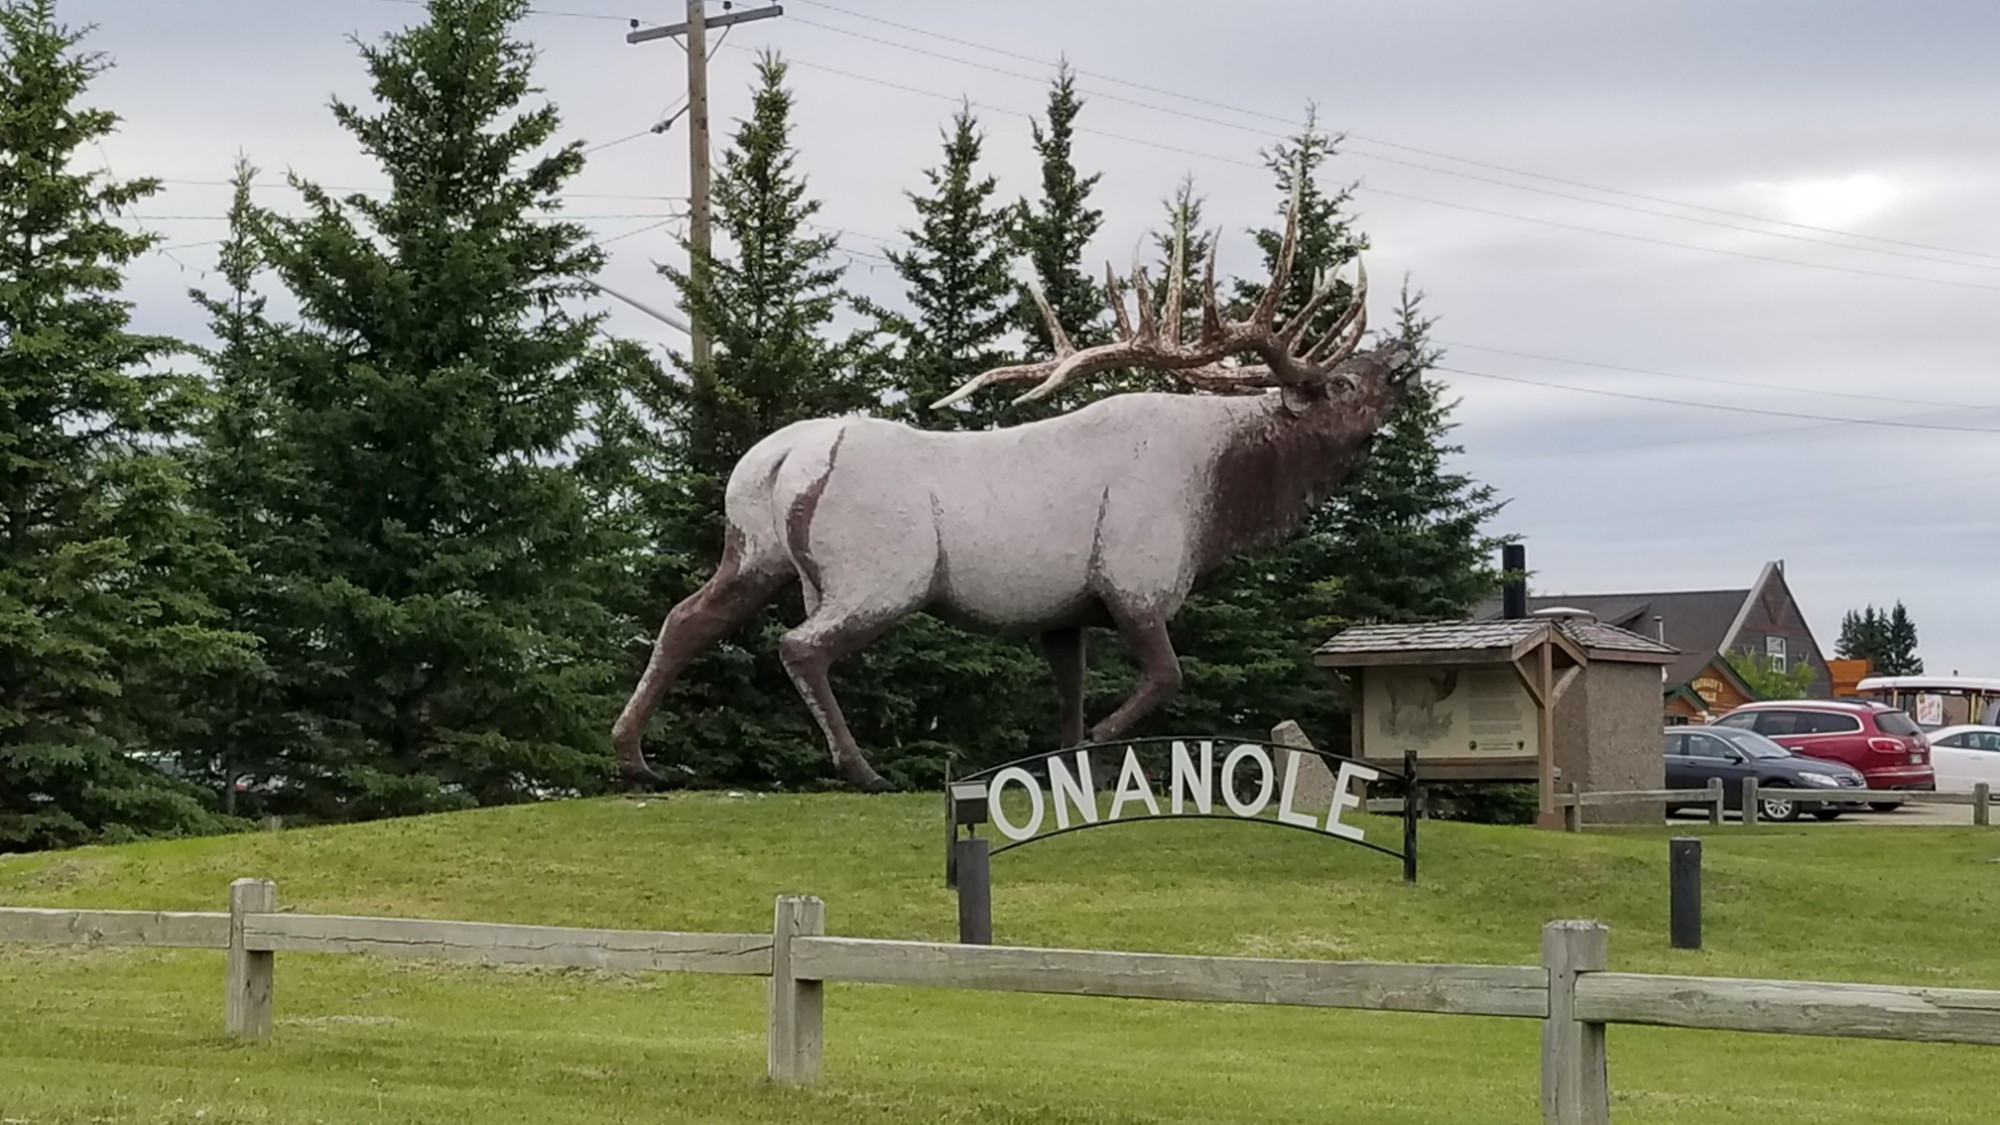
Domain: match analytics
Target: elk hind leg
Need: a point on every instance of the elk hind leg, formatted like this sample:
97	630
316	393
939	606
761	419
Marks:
809	652
728	599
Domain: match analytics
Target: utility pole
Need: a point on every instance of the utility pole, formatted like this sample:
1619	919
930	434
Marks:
695	27
698	233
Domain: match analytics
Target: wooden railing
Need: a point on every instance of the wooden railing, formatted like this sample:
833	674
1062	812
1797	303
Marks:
1980	799
1570	992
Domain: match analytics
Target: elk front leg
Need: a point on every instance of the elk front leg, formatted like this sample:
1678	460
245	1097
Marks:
808	653
1064	650
728	599
1159	672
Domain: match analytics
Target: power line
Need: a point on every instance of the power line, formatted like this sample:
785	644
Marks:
1724	407
1294	124
1897	399
1268	135
385	190
1766	503
642	230
547	216
532	11
1412	197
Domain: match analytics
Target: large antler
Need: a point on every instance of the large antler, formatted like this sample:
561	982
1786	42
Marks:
1156	345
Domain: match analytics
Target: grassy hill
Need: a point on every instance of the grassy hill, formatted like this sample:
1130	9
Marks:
136	1036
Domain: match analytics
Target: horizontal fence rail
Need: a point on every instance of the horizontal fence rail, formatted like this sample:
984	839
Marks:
159	929
1467	990
1979	800
1844	1011
1571	992
659	951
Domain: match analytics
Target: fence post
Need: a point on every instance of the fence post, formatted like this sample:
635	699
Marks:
1717	799
1749	802
974	867
1573	812
1982	796
1576	1085
246	1008
1684	891
796	1030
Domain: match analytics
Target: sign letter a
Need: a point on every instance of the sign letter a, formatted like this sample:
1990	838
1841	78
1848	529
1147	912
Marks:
1133	786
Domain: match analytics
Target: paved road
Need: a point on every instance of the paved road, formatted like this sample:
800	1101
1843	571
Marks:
1959	815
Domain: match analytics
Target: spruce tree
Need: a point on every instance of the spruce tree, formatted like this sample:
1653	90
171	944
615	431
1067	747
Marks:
768	296
1053	231
1885	638
768	302
1409	535
956	281
1900	656
106	626
435	624
1863	636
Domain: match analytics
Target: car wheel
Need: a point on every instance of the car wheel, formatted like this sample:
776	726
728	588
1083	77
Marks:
1777	808
1885	806
1827	814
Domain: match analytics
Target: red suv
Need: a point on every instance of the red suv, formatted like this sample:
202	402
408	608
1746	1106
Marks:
1883	743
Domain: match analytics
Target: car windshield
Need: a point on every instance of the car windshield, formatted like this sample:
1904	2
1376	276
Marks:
1895	722
1754	744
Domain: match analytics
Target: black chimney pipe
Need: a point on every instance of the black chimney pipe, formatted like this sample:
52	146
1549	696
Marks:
1514	596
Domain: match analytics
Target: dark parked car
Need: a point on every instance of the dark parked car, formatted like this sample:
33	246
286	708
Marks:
1695	754
1883	743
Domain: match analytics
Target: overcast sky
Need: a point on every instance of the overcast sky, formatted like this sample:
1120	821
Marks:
1778	209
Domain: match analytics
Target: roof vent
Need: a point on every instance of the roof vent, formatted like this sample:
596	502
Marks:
1565	613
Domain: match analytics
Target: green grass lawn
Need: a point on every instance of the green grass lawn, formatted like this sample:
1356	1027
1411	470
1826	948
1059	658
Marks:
136	1036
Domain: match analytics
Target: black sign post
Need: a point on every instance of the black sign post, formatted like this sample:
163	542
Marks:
1684	891
975	891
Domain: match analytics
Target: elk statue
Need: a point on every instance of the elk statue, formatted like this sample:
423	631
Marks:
1103	516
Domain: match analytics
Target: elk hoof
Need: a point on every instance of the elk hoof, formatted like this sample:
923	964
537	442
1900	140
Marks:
641	778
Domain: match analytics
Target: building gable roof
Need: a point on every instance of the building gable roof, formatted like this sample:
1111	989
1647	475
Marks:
1697	622
1595	638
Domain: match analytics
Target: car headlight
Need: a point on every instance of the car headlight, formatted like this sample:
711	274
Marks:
1819	779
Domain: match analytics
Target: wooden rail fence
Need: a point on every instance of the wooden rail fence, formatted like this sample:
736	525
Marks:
1570	993
1572	803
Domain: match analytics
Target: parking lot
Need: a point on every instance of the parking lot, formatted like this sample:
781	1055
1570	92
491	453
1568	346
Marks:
1912	814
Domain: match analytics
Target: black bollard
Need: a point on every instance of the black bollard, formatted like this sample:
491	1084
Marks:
1684	876
975	891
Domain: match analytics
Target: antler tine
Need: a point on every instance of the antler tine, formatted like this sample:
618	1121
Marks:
1281	276
1322	289
1170	312
1017	373
1114	292
1211	316
1089	361
1057	336
1337	345
1143	289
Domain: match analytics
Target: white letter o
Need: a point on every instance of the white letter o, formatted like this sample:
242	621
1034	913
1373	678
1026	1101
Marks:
1035	804
1256	754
